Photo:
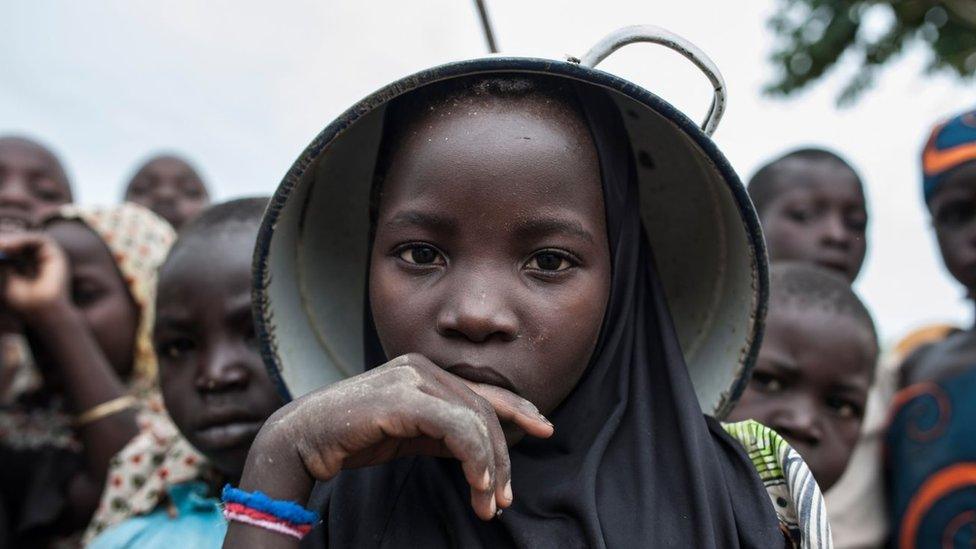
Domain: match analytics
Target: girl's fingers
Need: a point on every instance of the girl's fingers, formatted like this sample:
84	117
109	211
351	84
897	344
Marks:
513	408
502	490
465	435
503	469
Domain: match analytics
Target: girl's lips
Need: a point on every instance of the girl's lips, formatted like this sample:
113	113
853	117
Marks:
482	374
227	435
834	265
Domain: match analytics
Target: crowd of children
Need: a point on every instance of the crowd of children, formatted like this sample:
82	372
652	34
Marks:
134	395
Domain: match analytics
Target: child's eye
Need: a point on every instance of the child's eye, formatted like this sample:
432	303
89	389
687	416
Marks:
856	223
420	254
175	348
956	213
800	215
844	408
550	261
46	189
85	292
766	382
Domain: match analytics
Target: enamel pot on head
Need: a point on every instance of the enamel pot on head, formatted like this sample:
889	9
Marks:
310	263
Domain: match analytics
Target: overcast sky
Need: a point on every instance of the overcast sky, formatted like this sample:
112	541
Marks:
241	88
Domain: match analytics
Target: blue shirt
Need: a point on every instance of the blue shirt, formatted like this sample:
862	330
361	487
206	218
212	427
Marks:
199	523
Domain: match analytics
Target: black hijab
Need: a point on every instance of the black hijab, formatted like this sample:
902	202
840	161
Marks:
633	461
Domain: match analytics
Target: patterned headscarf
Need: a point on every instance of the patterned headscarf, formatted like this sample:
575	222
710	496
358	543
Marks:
951	144
139	241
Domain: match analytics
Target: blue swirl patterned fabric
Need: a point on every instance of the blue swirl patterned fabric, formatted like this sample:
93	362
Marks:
931	465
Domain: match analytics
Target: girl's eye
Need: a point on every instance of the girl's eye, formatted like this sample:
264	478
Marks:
766	382
844	408
175	348
421	254
248	335
549	261
85	292
193	193
956	213
44	187
800	215
856	223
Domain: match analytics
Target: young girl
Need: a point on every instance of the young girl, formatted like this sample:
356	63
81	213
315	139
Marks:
930	445
84	289
33	184
163	486
170	187
515	324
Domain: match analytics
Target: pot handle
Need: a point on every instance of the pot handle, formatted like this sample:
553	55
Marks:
656	35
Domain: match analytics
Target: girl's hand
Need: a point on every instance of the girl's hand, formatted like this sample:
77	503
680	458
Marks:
34	277
410	406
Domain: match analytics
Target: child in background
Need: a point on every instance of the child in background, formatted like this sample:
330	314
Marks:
169	186
84	290
931	441
812	208
811	380
33	184
161	492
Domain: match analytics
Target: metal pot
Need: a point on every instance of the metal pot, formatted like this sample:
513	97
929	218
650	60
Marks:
310	262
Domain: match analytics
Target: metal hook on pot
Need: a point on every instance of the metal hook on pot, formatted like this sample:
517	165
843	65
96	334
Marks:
656	35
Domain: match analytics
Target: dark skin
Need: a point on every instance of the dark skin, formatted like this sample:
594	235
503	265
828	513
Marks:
82	323
33	185
489	279
170	187
810	384
953	209
818	217
211	374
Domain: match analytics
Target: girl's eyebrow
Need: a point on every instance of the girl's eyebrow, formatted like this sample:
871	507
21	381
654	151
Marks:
426	220
549	226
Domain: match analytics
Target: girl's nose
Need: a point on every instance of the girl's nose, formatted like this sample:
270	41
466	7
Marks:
13	193
835	232
223	368
478	313
165	190
799	421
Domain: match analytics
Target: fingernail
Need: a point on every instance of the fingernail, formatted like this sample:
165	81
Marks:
486	481
507	492
545	420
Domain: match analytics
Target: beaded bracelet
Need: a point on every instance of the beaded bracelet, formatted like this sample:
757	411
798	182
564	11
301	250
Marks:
257	509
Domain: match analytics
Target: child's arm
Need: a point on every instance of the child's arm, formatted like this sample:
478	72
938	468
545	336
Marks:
408	406
40	296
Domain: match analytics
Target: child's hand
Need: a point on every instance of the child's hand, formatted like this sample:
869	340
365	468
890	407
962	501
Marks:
410	406
34	278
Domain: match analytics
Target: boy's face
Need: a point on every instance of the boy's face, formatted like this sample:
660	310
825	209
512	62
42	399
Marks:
32	184
810	385
491	255
99	292
818	217
211	373
953	209
170	188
